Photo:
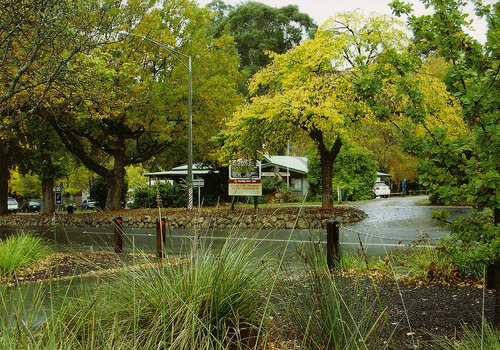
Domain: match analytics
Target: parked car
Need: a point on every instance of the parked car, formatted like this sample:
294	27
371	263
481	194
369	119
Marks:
88	204
33	206
381	189
12	205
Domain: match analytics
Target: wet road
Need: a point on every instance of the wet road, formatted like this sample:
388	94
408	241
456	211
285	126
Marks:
392	222
395	222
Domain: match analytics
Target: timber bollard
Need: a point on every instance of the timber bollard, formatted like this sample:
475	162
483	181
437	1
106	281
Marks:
118	226
332	243
161	237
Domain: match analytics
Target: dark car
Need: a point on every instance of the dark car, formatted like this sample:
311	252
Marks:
33	206
88	204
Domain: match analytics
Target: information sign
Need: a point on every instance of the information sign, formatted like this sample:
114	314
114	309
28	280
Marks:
198	183
244	169
59	195
245	189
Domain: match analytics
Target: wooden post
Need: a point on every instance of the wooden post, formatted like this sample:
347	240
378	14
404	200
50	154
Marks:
332	243
118	234
161	237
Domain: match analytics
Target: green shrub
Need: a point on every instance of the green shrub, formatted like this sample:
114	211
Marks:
473	240
171	196
270	185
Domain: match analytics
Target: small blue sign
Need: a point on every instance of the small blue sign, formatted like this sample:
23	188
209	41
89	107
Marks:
58	198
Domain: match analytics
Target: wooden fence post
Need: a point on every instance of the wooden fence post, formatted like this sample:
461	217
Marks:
118	234
332	243
161	237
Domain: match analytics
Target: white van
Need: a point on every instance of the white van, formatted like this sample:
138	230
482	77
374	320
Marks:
12	205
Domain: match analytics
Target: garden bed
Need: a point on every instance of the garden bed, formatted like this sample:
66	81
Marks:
416	314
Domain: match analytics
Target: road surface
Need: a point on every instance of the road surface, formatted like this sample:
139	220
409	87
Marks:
391	223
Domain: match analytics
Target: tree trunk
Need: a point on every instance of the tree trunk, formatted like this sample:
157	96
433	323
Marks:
327	157
113	200
4	179
115	181
48	174
326	182
48	196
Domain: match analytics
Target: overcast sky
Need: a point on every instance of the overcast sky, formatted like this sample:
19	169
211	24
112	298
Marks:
321	10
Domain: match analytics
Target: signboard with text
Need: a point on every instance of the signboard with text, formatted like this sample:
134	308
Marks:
244	178
245	188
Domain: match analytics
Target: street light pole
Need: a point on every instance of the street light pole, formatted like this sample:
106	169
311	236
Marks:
176	55
190	137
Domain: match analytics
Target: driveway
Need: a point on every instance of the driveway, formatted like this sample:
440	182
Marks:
394	223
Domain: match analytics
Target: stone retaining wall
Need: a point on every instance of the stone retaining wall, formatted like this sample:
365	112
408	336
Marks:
183	219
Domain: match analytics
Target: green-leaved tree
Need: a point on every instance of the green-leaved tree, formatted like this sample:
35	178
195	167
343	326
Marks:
309	93
466	168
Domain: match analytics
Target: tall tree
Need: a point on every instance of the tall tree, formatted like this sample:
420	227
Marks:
128	101
258	28
468	168
38	40
309	92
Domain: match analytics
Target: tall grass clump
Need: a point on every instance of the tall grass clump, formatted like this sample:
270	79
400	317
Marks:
21	250
214	300
329	311
472	339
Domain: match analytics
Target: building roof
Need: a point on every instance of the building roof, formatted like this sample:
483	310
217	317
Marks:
379	174
181	171
295	164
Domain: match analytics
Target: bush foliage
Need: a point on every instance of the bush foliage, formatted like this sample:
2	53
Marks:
169	195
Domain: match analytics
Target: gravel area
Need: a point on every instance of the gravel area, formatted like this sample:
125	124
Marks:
419	314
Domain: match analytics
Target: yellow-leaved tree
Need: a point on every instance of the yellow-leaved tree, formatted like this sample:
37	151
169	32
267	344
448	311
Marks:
310	92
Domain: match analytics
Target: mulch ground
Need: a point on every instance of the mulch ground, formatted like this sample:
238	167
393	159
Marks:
420	314
416	314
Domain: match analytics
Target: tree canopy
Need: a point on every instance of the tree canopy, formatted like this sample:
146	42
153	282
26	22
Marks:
466	168
113	101
258	28
39	40
310	92
127	101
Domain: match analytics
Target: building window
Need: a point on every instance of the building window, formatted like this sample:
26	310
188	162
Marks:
296	184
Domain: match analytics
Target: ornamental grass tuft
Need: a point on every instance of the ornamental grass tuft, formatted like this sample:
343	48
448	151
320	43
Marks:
214	300
21	250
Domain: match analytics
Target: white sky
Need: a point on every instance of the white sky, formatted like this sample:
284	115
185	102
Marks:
321	10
